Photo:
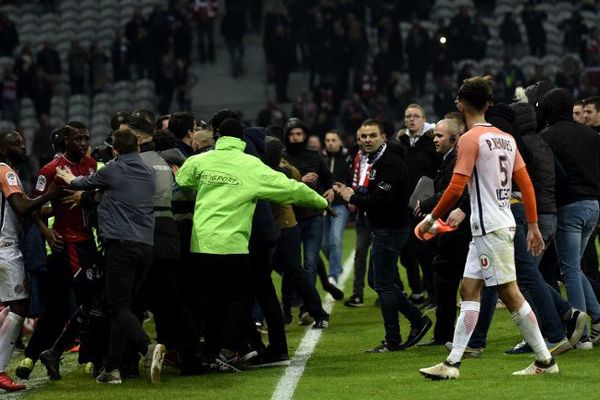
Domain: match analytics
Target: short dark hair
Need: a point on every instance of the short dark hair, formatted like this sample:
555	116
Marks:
77	125
231	127
477	92
373	122
578	103
118	119
68	131
163	140
160	120
146	114
595	100
220	116
139	125
124	141
57	139
5	133
180	123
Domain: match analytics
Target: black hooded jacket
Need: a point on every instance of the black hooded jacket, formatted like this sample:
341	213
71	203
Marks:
576	147
306	161
386	201
541	163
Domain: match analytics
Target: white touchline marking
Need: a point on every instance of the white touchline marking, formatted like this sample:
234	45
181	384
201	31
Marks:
287	384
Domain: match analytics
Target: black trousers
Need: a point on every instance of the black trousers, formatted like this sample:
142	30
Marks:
127	264
265	295
224	280
61	284
417	252
287	260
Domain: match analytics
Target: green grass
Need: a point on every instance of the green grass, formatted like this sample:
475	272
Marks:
340	369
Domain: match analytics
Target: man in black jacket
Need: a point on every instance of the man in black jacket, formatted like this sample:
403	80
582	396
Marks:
383	195
451	249
577	148
421	160
316	175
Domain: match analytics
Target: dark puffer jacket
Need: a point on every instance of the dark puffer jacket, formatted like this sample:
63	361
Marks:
541	162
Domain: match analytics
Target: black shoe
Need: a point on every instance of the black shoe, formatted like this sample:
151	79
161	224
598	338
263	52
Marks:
417	332
268	360
575	326
386	347
287	318
229	364
321	324
355	301
52	364
305	318
431	343
336	293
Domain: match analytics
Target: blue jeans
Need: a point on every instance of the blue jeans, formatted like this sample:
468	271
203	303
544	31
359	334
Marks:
312	237
333	235
385	252
576	221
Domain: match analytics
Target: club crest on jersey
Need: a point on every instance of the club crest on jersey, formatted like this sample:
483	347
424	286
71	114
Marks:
20	289
40	185
11	178
372	174
485	261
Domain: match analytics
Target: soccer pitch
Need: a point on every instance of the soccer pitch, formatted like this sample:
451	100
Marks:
340	369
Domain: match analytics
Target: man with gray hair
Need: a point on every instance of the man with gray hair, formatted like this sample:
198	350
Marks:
451	249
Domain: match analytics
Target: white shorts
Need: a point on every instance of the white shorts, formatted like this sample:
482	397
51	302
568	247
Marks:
491	258
12	274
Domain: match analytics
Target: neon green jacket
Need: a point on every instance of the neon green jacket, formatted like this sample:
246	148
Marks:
228	183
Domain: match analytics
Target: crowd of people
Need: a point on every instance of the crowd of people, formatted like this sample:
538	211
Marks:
171	202
187	220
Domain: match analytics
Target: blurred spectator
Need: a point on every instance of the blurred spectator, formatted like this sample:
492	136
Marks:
42	150
10	102
77	60
314	143
305	108
121	58
534	26
182	40
353	114
233	29
383	66
164	84
368	85
443	99
49	62
417	51
97	68
271	115
24	67
182	85
389	32
40	92
135	33
9	38
573	30
358	47
507	79
481	36
315	46
538	74
281	57
204	14
592	54
461	33
510	35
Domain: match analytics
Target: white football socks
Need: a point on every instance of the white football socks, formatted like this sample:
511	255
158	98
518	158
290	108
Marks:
465	325
8	337
527	323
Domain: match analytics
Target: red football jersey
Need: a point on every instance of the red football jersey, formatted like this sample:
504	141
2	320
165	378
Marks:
71	223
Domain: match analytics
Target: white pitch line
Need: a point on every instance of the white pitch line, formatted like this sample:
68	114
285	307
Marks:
287	384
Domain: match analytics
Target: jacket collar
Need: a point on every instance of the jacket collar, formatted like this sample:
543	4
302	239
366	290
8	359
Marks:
230	143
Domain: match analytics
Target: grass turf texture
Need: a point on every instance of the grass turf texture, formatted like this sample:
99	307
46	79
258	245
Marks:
340	369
